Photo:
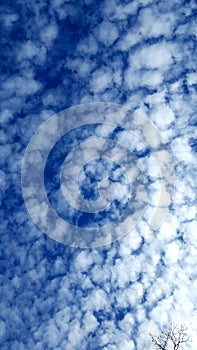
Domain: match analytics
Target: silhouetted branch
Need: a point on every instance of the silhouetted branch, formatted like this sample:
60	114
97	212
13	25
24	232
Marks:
176	336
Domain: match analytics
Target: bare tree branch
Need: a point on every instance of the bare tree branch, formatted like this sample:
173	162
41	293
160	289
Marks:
174	335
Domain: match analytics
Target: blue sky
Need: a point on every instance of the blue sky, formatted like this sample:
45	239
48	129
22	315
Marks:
140	55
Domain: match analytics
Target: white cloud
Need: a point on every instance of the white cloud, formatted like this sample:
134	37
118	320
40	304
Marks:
29	50
88	45
83	261
49	34
97	300
152	78
116	11
9	19
153	25
21	86
75	334
172	253
66	298
83	66
190	233
52	336
100	81
128	40
182	150
127	345
191	78
152	56
107	33
163	116
2	329
90	322
167	231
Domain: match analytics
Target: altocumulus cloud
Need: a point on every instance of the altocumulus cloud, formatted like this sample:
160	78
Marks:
61	53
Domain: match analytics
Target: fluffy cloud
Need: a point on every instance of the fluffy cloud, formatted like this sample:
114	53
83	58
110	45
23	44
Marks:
58	54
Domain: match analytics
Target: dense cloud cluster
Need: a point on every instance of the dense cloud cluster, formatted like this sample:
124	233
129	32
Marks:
57	54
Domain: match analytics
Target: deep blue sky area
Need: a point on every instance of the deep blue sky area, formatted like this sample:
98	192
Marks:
57	54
